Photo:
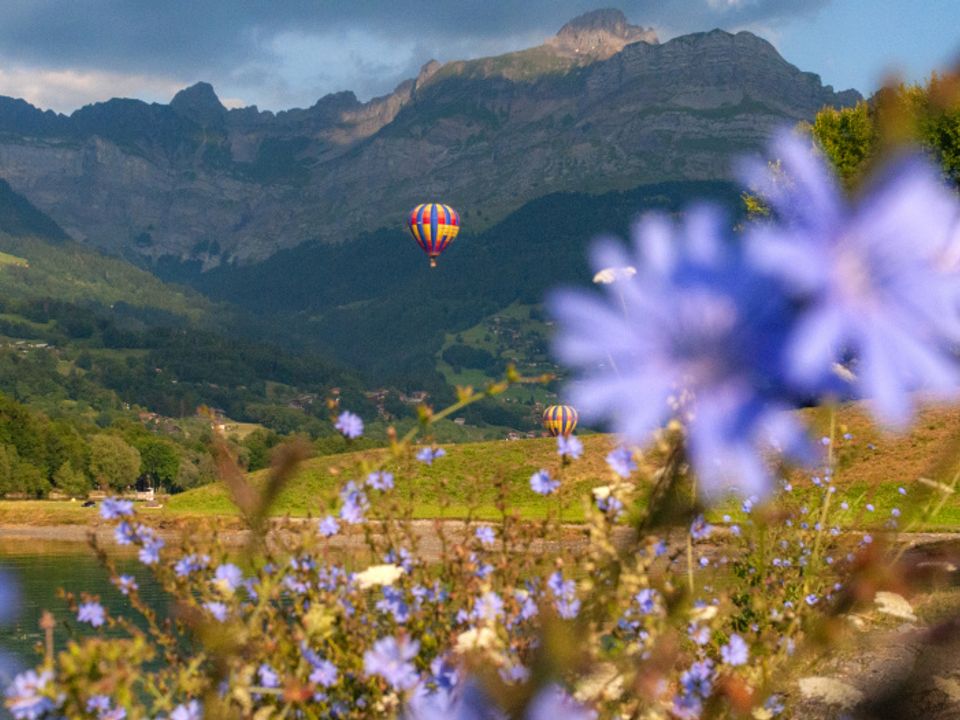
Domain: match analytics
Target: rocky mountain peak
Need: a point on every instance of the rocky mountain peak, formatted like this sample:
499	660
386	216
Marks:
600	33
199	103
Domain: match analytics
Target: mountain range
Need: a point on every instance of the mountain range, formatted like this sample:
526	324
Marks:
602	106
289	226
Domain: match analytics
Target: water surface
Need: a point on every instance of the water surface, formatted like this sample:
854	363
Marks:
38	569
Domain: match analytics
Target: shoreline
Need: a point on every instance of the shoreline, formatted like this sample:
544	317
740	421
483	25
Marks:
426	532
574	535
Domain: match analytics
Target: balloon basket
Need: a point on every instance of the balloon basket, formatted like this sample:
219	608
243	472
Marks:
433	262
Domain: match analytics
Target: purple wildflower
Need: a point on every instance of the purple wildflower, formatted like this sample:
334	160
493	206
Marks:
350	425
324	673
698	680
113	508
380	480
867	275
554	703
646	600
542	484
735	652
190	564
390	659
25	698
127	584
150	552
687	707
191	711
700	634
569	446
621	461
354	503
124	533
268	676
698	335
488	606
218	610
428	454
486	535
700	529
91	612
565	600
228	576
328	527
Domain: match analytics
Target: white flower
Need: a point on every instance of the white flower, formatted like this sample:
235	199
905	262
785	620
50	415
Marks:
601	493
703	613
476	639
612	274
378	575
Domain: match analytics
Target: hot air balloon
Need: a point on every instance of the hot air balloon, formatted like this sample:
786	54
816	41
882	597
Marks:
434	226
560	420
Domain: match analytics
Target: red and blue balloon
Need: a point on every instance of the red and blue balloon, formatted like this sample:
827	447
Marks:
434	226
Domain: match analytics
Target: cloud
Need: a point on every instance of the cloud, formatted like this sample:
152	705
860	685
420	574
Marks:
280	54
66	90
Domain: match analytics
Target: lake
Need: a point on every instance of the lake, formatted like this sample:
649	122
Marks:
38	568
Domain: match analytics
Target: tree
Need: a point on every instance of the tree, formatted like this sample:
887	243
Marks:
259	445
113	463
159	462
8	465
31	480
848	137
72	482
927	116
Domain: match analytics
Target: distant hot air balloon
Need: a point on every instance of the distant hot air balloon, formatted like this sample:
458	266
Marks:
434	226
560	420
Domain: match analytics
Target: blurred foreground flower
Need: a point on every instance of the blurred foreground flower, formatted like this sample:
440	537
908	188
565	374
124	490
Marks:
696	334
867	274
726	335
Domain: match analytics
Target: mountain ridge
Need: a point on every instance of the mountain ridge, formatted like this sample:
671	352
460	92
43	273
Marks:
194	181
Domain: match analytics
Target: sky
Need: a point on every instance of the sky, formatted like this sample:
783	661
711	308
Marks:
278	54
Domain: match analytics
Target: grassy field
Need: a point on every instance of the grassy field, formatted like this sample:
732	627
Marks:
470	479
8	259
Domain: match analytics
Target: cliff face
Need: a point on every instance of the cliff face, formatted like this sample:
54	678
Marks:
601	106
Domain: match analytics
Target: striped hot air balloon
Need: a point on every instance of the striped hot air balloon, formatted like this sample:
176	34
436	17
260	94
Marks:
560	420
434	226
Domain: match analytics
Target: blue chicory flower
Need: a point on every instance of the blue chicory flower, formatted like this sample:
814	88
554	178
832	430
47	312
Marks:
621	461
735	652
190	711
542	484
354	503
380	480
390	659
127	584
486	535
569	446
25	698
697	335
91	612
428	454
114	508
217	609
869	275
349	425
328	527
229	576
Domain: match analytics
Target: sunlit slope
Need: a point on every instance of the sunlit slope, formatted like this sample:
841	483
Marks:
474	475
